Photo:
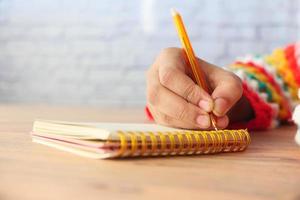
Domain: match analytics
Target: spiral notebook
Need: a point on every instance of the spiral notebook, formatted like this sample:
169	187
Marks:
117	140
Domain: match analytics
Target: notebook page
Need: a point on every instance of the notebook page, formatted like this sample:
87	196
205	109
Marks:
90	130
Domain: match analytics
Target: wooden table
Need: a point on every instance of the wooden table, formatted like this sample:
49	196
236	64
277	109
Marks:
269	169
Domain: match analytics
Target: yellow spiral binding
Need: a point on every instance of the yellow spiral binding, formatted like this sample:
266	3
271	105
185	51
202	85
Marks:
206	149
153	143
163	142
143	143
189	138
172	142
179	142
136	143
198	144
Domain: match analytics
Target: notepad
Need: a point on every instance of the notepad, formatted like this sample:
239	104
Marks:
119	140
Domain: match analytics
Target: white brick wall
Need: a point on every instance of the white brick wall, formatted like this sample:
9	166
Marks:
95	52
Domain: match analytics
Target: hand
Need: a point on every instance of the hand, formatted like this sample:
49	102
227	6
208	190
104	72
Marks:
175	100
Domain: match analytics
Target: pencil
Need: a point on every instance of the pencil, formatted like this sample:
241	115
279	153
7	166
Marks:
198	74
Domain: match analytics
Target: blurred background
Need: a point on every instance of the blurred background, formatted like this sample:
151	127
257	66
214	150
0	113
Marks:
95	52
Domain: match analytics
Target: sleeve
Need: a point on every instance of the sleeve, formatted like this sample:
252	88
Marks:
270	84
148	114
264	113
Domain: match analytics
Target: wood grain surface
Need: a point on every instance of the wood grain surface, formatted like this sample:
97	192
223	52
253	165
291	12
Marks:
268	169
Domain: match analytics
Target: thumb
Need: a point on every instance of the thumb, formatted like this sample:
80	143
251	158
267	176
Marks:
226	93
227	87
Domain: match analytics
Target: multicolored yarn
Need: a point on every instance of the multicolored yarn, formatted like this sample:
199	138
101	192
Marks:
260	61
268	85
290	54
264	113
275	79
279	60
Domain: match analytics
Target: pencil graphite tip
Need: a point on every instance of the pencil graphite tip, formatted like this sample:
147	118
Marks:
174	12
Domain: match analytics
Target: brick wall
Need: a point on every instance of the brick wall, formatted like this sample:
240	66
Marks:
95	52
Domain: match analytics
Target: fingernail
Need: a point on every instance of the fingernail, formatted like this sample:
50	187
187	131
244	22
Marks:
206	105
222	122
203	121
220	107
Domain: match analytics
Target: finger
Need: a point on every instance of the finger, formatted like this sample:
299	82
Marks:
225	95
176	107
177	81
227	87
222	122
173	105
163	119
166	120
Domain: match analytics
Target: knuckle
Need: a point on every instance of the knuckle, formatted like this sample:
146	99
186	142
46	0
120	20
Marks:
183	112
236	84
240	90
161	118
190	93
167	53
169	50
234	77
165	119
237	79
166	76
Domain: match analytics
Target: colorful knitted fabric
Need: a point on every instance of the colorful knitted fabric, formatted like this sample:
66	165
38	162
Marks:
270	84
264	113
273	82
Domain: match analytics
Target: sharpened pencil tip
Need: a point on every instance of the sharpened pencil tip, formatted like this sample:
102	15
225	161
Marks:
174	12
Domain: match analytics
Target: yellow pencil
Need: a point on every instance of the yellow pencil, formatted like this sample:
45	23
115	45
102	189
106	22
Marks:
198	74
